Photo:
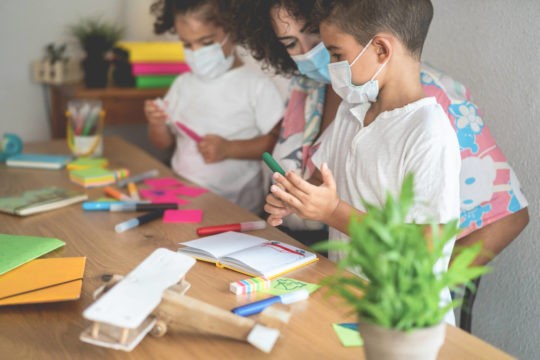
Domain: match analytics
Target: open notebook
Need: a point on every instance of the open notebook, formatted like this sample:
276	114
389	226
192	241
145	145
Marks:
248	254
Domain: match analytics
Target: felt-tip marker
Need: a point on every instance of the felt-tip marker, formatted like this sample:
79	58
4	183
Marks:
258	306
126	206
243	226
140	220
272	163
106	205
138	177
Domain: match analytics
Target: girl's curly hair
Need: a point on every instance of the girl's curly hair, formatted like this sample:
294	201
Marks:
213	11
252	27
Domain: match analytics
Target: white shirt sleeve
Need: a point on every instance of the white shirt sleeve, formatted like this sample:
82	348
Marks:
436	164
267	104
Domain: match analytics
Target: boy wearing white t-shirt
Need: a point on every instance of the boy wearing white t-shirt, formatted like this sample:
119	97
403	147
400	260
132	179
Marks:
384	129
222	116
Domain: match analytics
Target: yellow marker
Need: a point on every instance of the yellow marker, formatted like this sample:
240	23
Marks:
133	192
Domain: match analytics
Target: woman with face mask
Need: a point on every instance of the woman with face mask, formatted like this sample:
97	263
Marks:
279	34
282	35
222	115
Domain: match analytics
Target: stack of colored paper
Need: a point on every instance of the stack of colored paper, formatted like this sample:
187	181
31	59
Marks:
24	280
155	64
93	177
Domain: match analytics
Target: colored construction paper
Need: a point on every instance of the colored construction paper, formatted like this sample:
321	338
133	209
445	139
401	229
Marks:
285	285
16	250
191	191
167	199
43	280
347	336
151	193
158	183
182	216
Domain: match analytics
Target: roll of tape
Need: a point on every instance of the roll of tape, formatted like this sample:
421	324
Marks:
11	145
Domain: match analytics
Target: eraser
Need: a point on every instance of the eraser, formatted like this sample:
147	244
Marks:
249	285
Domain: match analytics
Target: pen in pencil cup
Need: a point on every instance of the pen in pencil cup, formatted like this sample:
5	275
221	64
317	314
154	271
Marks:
140	220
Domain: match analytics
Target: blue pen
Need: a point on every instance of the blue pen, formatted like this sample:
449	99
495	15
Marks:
106	205
258	306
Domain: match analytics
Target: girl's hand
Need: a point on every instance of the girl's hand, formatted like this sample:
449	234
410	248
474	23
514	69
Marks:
154	114
307	200
213	148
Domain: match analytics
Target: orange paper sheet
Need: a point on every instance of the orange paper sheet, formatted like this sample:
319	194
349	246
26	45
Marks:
43	280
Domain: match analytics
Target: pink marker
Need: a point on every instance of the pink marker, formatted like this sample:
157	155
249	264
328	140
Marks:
192	134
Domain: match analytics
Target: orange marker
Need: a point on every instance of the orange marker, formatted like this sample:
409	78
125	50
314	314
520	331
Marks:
114	193
133	192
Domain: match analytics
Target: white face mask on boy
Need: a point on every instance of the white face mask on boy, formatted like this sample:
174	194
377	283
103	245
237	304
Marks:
209	62
341	79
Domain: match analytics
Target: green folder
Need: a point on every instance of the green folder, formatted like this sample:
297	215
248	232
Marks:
16	250
154	81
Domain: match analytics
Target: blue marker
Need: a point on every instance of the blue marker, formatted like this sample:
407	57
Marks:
258	306
106	205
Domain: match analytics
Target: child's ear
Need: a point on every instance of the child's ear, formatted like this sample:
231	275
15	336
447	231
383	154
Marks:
383	48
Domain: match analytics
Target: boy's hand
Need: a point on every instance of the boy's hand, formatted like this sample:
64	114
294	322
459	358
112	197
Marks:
213	148
307	200
154	114
277	210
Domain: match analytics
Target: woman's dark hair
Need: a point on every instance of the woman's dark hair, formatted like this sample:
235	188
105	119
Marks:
213	11
253	29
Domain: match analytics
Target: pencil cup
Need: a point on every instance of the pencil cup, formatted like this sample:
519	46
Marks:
85	127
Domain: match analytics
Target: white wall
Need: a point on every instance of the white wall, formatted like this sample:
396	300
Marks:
26	26
490	45
493	47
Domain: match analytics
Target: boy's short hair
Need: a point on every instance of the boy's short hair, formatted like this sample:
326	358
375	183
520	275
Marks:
213	11
408	20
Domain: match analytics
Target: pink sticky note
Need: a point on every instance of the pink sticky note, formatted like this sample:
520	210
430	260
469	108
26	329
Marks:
190	191
167	199
162	182
182	216
151	193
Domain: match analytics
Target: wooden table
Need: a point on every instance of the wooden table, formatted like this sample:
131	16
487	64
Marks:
123	106
51	331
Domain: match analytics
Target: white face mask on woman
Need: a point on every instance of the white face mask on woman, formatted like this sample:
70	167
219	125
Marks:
341	79
209	62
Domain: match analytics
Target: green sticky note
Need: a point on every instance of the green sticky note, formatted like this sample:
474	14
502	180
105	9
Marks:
348	337
16	250
285	285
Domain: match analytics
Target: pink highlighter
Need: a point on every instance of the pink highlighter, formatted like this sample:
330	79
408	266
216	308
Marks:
192	134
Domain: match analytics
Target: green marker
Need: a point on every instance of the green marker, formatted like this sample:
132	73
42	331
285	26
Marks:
272	163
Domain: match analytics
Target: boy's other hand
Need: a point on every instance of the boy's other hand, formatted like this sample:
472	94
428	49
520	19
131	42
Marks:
213	148
277	210
154	114
307	200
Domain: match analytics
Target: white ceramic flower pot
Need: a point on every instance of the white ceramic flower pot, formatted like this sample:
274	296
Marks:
387	344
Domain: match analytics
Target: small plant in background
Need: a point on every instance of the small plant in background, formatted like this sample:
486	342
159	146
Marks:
97	38
401	291
54	54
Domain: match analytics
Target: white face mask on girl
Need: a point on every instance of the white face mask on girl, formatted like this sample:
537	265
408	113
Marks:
209	62
341	79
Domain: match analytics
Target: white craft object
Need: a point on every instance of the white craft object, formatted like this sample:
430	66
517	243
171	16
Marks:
151	298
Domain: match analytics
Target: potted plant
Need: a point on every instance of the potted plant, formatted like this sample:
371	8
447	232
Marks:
97	38
398	303
56	67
